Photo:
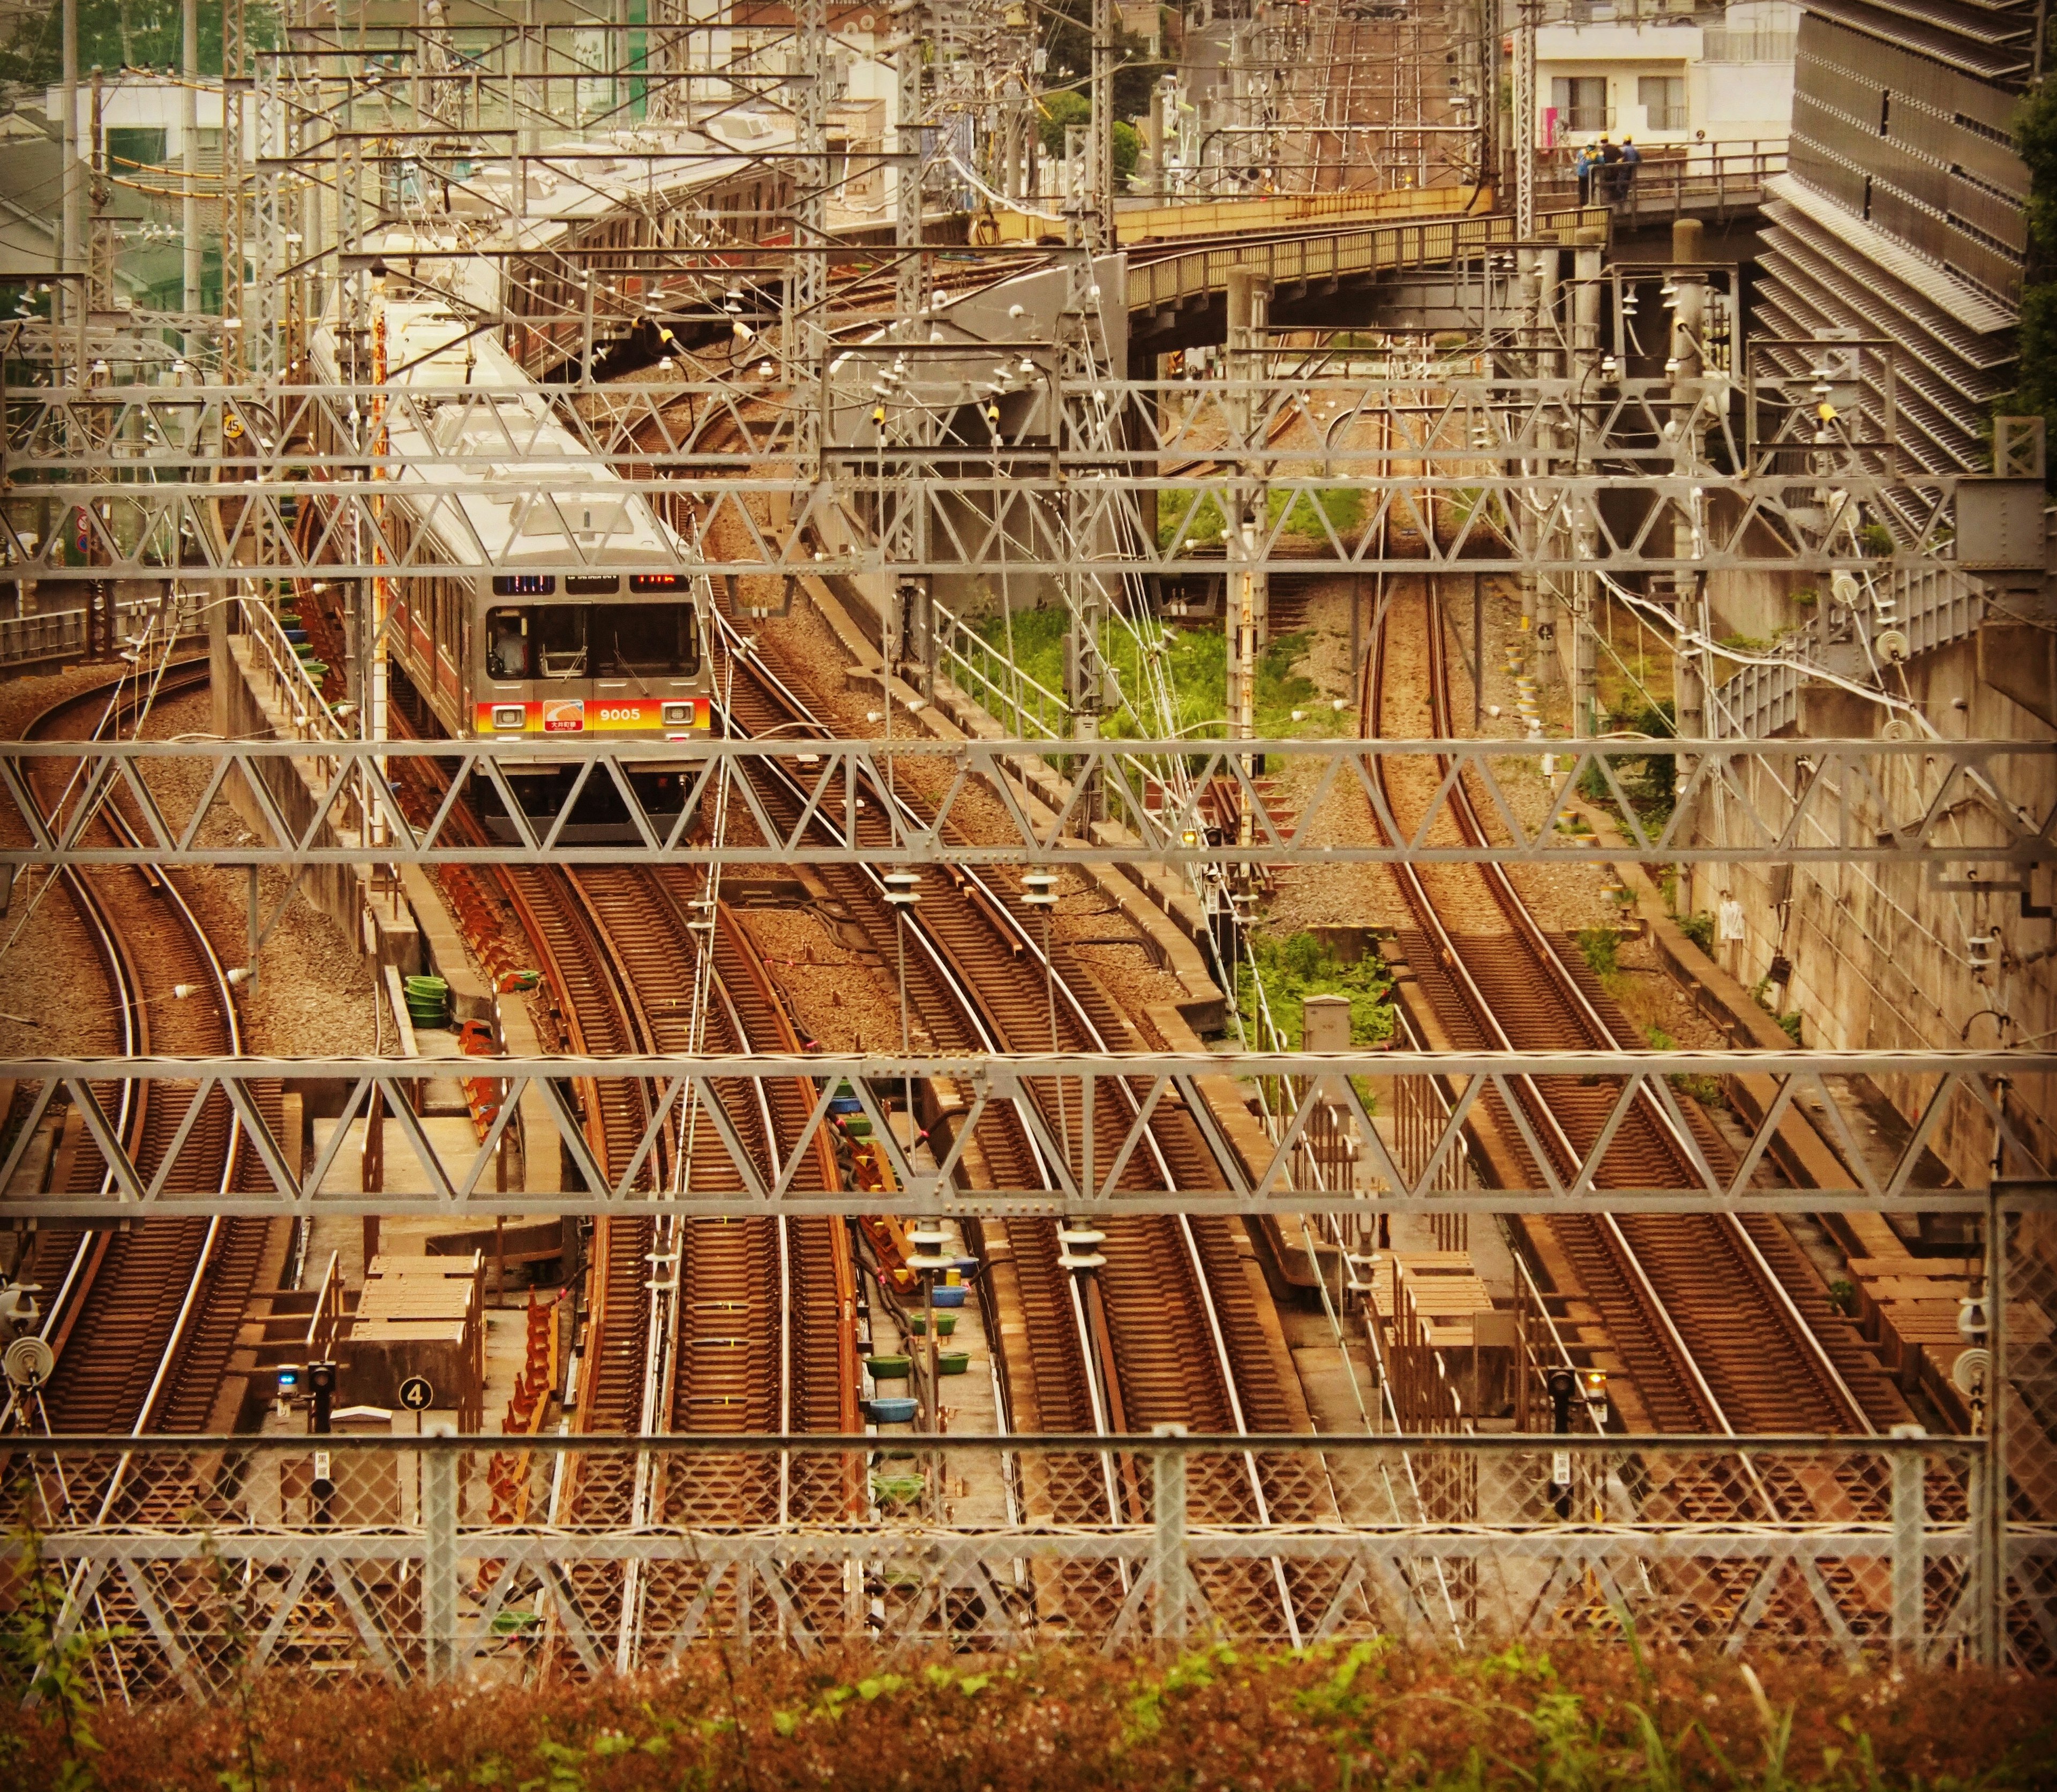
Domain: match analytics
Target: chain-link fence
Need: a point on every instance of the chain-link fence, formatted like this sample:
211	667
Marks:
175	1567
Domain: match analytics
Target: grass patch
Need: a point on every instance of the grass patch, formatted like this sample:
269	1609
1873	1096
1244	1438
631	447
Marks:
1648	780
1602	947
1298	966
1588	1715
1195	663
1313	513
1706	1090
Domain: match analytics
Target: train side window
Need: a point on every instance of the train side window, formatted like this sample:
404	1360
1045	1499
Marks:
646	640
561	640
507	644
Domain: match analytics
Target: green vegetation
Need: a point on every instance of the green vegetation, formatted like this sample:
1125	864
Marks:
1648	780
1594	1713
114	34
1299	966
1700	928
1341	506
2035	391
1706	1090
1193	660
1061	110
1602	946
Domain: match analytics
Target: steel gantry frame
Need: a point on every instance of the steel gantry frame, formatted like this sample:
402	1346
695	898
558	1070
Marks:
1816	801
1307	1088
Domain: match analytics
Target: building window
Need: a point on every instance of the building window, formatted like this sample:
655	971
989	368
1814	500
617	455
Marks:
1663	98
1581	102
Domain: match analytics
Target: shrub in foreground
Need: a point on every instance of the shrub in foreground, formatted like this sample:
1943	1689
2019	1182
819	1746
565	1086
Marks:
1369	1714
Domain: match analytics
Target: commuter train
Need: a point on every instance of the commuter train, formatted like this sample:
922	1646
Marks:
615	649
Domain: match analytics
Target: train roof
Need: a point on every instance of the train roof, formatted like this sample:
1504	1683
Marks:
473	416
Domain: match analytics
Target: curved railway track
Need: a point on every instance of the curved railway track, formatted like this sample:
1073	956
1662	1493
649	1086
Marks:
1722	1322
693	1324
1168	1330
144	1318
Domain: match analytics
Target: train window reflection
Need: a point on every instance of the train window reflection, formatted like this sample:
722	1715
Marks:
560	632
646	640
507	644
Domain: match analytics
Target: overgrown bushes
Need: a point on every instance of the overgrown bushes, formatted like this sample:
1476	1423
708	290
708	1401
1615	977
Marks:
1374	1714
1299	966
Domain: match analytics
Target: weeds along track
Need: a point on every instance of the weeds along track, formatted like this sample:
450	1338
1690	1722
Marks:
1722	1322
1169	1330
144	1318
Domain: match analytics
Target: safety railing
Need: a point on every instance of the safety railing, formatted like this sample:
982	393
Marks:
392	1554
46	636
984	673
275	657
1715	178
1323	255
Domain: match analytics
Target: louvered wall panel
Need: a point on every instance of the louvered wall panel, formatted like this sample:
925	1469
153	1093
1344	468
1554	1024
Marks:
1812	169
1988	267
1987	211
1989	160
1900	216
1847	90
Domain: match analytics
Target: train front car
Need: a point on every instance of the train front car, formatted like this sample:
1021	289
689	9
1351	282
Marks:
589	623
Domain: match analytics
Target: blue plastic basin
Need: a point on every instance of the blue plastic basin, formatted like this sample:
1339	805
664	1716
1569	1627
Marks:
886	1410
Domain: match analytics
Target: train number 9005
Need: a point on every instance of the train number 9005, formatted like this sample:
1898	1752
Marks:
630	714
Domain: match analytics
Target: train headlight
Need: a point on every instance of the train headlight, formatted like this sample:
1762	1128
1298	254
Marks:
509	714
678	714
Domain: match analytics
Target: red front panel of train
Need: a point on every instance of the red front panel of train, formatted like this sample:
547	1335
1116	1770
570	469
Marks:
593	716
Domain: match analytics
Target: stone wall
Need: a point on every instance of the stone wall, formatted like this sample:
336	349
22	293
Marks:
1881	957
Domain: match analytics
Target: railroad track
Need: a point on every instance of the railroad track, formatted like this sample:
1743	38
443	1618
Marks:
143	1318
1722	1321
693	1324
1168	1331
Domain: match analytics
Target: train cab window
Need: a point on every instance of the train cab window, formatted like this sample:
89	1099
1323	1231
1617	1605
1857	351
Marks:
560	631
507	644
646	640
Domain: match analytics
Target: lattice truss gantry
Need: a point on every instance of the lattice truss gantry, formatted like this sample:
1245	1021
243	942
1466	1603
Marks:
1312	1096
1455	470
428	1558
1944	803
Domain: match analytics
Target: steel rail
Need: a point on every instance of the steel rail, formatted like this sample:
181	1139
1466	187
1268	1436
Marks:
1603	1036
998	909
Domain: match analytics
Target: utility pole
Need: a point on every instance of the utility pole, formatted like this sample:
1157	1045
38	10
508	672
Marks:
189	162
801	332
232	46
1585	670
72	233
1521	139
1249	296
1103	195
1689	312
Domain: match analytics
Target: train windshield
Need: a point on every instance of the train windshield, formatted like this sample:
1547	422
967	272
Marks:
626	640
538	640
646	640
